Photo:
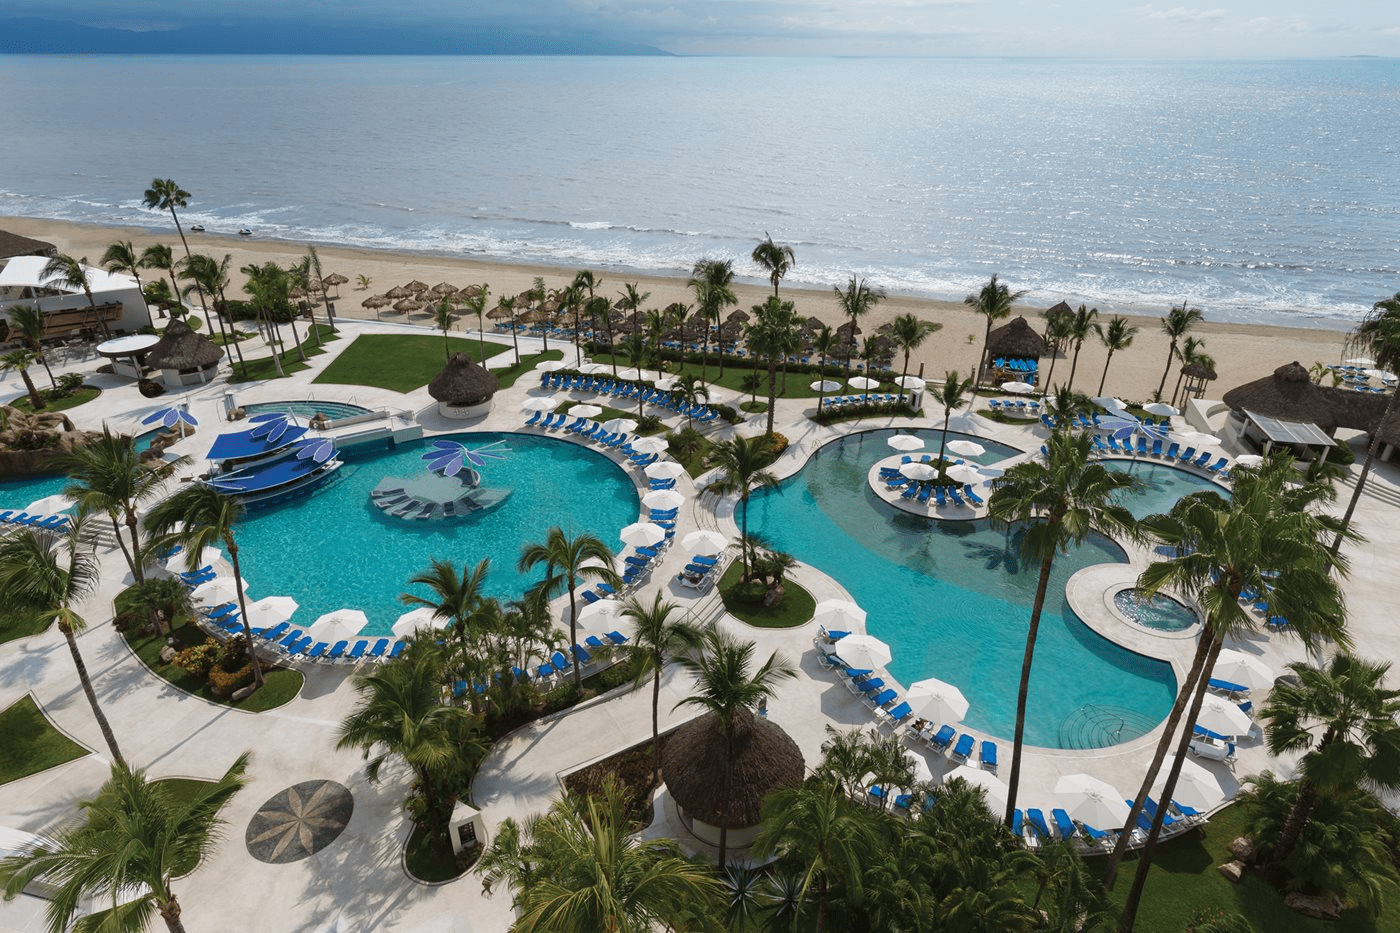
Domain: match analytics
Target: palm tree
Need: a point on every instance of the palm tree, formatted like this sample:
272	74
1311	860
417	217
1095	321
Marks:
212	276
454	598
743	464
444	318
313	262
107	476
1080	327
475	303
137	835
586	281
856	300
121	257
690	391
776	259
581	868
772	335
299	276
567	562
908	333
1059	331
1175	325
27	322
824	342
1268	536
951	395
201	272
1360	743
507	304
817	824
400	713
44	575
21	360
73	273
993	301
165	195
657	639
196	517
724	686
267	286
631	301
1064	499
158	256
713	282
1117	336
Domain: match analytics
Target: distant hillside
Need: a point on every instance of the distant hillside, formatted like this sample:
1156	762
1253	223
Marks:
42	36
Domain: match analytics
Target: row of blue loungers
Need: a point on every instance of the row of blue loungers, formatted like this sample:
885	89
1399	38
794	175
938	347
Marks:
557	667
1031	827
603	385
22	519
293	644
1188	457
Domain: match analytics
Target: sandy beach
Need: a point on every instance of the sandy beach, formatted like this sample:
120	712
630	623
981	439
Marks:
1242	353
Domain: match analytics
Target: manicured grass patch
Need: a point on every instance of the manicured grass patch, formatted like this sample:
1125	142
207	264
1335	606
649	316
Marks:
280	685
754	408
399	362
80	397
264	368
426	864
1001	417
1183	877
796	608
238	337
797	384
31	744
21	625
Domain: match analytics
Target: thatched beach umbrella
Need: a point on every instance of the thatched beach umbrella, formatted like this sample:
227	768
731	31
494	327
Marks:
181	348
499	313
405	305
374	303
334	280
443	289
737	316
399	291
471	291
463	382
417	287
1016	340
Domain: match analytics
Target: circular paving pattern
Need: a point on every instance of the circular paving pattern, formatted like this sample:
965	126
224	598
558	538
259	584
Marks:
299	821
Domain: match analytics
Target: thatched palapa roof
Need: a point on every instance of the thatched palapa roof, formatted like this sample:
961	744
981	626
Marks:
1017	340
12	244
463	382
1291	395
765	759
181	348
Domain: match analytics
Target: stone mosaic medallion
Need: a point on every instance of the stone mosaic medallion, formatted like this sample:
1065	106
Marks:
299	821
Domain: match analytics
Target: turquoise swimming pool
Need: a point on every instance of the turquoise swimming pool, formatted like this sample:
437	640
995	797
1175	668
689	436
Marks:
334	548
1162	486
308	409
953	600
18	492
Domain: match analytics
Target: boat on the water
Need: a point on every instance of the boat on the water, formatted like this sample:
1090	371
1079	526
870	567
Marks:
197	228
244	231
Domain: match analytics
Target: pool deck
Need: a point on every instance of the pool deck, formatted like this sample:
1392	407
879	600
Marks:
358	882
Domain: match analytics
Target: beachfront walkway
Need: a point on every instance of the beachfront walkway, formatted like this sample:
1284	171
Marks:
357	882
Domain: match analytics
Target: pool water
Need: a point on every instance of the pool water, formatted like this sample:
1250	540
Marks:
18	492
143	442
1162	486
308	409
334	548
1161	613
953	599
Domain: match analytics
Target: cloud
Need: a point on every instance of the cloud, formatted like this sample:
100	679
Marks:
1180	14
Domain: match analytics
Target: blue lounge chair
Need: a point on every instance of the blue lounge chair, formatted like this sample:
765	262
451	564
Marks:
1218	465
1095	835
955	495
899	714
883	698
912	490
561	663
1099	445
358	650
300	646
1018	824
927	490
1186	812
1038	825
1202	460
1142	445
290	638
867	686
218	612
1225	686
593	641
940	740
581	655
704	561
1157	447
963	748
530	421
318	649
971	495
338	650
1113	444
1149	808
1186	456
989	756
617	638
1172	451
939	498
590	597
1063	824
638	562
397	650
379	648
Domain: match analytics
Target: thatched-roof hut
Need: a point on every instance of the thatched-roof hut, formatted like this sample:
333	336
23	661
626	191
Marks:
13	244
1291	395
464	388
765	759
183	356
1016	340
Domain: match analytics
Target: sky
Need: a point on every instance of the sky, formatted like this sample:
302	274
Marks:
1059	28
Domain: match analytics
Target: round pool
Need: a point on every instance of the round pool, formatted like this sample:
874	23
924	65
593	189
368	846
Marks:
308	409
1162	486
335	548
1160	613
953	599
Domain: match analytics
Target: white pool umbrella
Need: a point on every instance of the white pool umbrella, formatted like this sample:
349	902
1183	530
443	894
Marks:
936	700
338	625
825	385
1196	786
638	374
180	561
593	369
864	383
1110	403
1362	361
50	505
863	651
704	542
911	382
919	471
217	590
585	411
421	618
923	774
994	790
666	384
549	366
1223	717
1379	374
649	445
1196	437
1020	388
905	442
839	614
604	611
966	424
663	499
966	448
1240	668
1249	460
1160	408
962	473
620	425
642	534
1093	801
270	610
540	403
664	469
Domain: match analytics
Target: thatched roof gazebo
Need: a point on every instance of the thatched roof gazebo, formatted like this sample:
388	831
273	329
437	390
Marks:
1016	340
765	759
183	356
464	388
1289	393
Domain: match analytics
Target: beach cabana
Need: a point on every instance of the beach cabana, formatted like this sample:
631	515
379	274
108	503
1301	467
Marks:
1014	351
463	389
765	759
184	357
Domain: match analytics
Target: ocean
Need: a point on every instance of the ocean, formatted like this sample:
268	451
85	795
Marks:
1263	192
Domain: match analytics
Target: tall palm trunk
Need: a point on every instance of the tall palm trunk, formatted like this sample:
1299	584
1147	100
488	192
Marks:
36	401
232	332
1171	355
1130	907
39	352
1047	387
91	694
656	725
514	337
1180	377
296	338
1078	345
1371	452
1104	378
772	391
1298	816
243	610
138	573
170	913
1023	691
573	635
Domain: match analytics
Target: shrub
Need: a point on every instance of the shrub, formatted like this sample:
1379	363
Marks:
648	423
200	659
779	444
727	412
1215	920
226	682
69	383
851	412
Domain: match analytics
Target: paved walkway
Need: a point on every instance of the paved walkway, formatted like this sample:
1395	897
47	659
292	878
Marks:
358	882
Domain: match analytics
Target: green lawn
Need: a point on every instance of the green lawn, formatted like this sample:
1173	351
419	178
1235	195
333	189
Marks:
263	367
506	377
80	397
31	744
21	625
400	362
795	609
280	685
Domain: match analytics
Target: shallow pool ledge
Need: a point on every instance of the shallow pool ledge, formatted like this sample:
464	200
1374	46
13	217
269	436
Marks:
1090	594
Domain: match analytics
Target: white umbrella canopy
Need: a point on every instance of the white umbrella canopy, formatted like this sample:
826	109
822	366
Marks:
642	534
667	383
50	505
1090	800
663	499
1249	460
540	403
1112	404
1020	388
1361	361
936	700
1196	786
911	382
620	425
338	625
424	617
864	383
966	448
1223	717
704	542
604	611
179	562
825	385
270	610
962	473
995	791
1196	437
549	366
1160	408
1240	668
586	411
923	774
905	442
919	471
649	445
593	369
863	651
664	469
840	614
965	424
218	590
634	375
